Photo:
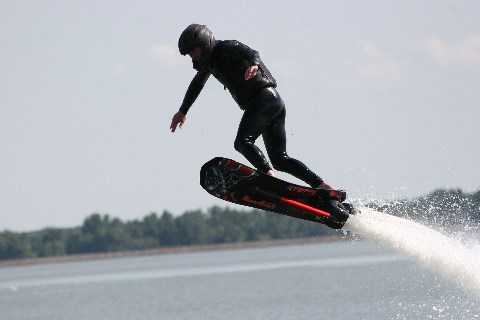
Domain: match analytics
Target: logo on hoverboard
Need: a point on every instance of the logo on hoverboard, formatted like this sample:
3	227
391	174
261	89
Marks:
263	203
301	190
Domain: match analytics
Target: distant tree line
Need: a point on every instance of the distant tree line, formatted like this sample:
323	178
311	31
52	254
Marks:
102	233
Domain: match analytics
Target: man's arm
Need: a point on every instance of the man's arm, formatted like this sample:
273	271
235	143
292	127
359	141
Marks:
246	53
237	50
194	89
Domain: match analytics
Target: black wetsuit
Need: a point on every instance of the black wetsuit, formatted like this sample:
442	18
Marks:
264	109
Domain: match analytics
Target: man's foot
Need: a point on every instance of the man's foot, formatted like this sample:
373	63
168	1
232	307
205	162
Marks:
272	173
332	192
326	186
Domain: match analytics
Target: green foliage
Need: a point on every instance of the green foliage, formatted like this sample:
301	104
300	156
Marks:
101	233
14	245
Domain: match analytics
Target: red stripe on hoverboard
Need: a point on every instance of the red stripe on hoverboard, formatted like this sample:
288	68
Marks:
304	207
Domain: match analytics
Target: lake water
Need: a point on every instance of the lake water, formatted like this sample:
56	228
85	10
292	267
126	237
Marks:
339	280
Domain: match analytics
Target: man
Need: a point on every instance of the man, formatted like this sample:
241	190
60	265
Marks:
241	71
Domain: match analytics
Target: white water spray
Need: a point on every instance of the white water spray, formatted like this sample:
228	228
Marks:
445	256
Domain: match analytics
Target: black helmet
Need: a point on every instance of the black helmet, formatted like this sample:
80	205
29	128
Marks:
197	35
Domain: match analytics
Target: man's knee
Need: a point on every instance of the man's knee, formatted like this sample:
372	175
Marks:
279	162
238	145
242	143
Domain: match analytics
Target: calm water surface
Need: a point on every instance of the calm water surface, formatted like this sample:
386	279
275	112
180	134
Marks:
341	280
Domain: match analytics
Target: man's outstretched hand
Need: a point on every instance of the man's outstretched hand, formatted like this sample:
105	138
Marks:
178	120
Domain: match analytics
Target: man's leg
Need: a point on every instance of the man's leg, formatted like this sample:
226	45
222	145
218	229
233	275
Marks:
274	137
254	120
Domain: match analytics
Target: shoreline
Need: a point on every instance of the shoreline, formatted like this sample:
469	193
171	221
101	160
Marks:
169	250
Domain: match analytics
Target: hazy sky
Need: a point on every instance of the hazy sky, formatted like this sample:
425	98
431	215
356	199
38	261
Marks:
382	100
